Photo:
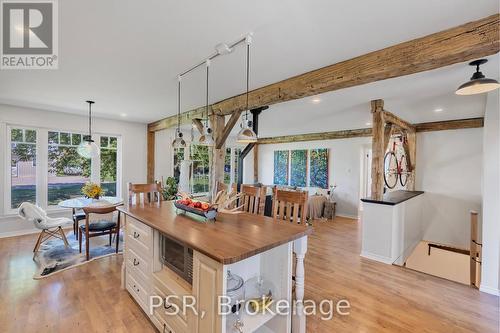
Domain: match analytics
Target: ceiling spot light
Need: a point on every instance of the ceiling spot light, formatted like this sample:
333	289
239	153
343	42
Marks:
478	83
438	110
316	100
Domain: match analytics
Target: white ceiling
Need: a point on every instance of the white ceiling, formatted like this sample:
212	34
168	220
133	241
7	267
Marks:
126	54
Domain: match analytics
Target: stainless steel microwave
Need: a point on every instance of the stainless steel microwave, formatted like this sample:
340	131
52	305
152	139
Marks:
177	257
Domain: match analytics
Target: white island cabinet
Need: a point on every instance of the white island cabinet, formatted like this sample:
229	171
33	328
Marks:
245	245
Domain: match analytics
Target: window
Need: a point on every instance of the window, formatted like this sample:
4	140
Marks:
67	171
109	148
231	169
45	167
23	166
200	169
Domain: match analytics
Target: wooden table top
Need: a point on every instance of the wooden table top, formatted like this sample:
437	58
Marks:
233	237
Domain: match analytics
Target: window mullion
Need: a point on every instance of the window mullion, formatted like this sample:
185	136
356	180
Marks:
95	165
42	161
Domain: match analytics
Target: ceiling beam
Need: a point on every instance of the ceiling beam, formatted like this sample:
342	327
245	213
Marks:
465	42
366	132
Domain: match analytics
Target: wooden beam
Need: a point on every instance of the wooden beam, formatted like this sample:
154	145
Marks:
218	154
151	157
378	149
227	129
344	134
395	120
411	159
171	121
388	130
450	124
256	164
365	132
465	42
199	125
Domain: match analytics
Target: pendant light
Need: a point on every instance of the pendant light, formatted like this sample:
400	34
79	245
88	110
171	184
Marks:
478	83
206	139
87	148
179	142
246	134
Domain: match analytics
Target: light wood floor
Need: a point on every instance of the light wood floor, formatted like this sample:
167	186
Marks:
383	298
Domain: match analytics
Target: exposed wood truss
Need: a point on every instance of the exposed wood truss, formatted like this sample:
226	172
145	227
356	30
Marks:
151	157
465	42
365	132
199	125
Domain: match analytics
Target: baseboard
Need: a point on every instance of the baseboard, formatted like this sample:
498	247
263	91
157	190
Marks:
376	257
23	232
354	217
18	233
489	290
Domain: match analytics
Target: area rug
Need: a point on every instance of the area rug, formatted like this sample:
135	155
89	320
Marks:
53	257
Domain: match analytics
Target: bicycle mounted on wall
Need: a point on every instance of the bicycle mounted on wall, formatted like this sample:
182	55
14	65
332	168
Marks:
396	162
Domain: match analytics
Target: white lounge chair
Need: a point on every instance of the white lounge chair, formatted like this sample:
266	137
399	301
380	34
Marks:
51	227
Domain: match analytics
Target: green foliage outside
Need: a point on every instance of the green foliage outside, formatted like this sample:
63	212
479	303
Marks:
170	189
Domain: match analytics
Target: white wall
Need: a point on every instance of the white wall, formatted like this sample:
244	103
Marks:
133	137
344	159
491	198
449	169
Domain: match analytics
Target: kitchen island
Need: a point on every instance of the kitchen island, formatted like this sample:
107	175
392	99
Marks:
248	246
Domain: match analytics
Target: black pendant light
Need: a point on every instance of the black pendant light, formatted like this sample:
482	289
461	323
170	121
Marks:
87	148
247	134
478	83
206	139
179	142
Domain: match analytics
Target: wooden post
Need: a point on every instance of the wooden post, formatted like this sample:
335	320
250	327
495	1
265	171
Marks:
412	159
151	157
218	154
256	164
378	149
475	251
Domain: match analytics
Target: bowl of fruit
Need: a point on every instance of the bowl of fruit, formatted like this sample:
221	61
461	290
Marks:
199	208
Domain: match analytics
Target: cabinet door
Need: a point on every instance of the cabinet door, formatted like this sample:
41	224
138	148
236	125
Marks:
207	286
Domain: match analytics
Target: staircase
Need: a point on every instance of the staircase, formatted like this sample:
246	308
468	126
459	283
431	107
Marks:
448	262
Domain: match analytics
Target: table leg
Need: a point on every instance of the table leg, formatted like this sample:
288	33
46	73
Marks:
299	318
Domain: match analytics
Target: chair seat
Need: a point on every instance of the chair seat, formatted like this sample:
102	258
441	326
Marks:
99	226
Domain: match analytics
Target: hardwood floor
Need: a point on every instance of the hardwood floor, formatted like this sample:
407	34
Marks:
382	297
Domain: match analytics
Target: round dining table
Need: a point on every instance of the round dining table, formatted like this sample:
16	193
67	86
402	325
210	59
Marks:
81	202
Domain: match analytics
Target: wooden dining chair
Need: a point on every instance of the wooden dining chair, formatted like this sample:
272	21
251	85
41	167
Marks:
290	205
144	193
99	227
250	199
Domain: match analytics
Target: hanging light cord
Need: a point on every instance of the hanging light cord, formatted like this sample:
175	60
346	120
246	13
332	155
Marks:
248	78
206	104
179	106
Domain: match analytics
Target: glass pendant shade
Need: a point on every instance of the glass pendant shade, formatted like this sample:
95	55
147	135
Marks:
179	142
206	139
246	134
478	83
88	149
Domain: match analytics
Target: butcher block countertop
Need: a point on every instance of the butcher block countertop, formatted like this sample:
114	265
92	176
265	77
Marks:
233	237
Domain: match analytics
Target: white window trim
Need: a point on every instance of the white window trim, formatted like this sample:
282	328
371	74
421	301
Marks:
42	165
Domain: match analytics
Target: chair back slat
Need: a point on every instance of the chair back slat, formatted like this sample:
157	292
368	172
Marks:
144	193
250	199
290	206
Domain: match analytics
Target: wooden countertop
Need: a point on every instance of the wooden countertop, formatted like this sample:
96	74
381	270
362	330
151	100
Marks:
233	237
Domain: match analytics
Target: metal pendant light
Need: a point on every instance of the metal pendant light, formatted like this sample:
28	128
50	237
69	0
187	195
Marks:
87	148
179	141
206	139
247	134
478	83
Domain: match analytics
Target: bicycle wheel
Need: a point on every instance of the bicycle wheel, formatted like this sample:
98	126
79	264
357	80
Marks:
404	174
390	170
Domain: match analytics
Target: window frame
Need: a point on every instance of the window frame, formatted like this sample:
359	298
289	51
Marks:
42	146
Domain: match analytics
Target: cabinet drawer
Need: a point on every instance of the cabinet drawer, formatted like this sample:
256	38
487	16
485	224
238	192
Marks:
178	321
139	236
161	325
138	291
138	265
